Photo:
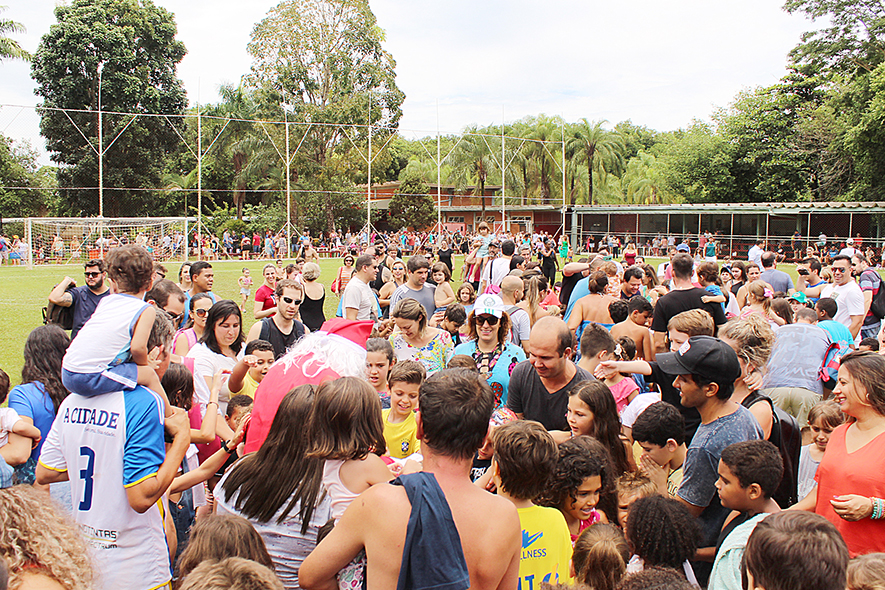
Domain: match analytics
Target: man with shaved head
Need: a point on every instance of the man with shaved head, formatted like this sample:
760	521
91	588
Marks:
512	292
539	387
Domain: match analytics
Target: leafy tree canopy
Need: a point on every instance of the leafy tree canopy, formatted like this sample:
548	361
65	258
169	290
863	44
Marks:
412	206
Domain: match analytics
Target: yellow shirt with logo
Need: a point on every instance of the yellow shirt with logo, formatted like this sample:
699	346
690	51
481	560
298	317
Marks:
546	547
401	437
249	387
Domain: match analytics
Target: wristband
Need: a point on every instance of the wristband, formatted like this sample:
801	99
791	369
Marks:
216	403
878	508
228	450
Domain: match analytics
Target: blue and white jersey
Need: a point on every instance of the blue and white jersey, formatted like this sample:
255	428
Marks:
105	340
108	443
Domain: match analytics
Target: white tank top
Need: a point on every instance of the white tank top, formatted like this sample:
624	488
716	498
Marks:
340	495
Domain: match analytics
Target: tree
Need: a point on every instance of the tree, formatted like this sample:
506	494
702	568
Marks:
22	184
695	164
411	206
472	160
126	49
324	59
600	149
9	48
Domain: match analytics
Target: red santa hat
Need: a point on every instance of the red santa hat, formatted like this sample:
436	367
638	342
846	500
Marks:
301	366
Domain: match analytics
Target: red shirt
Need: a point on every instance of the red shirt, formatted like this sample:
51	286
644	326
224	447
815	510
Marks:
861	472
266	295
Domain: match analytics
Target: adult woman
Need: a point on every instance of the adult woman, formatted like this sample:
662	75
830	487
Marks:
548	265
472	269
414	340
752	274
752	339
217	351
312	313
40	545
192	332
398	270
286	506
344	274
739	276
37	399
184	277
444	254
650	288
535	293
630	253
466	296
851	477
265	300
490	346
592	307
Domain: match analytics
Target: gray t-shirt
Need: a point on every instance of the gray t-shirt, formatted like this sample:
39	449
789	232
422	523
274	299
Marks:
700	470
795	361
778	279
424	297
527	395
520	325
358	296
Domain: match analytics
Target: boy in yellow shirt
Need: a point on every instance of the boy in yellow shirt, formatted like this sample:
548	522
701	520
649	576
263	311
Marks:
250	370
400	426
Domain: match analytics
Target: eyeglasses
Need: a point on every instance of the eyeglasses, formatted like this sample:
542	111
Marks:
91	275
291	301
836	269
201	312
486	319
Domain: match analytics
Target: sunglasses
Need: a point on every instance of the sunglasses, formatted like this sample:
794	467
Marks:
291	301
836	269
175	317
486	319
91	275
201	312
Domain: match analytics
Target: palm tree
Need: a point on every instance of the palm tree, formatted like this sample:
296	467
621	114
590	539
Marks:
473	162
10	49
545	133
600	149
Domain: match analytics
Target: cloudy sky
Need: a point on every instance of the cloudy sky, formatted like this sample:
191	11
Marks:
660	64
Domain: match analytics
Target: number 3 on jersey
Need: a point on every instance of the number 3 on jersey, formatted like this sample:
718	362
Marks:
86	475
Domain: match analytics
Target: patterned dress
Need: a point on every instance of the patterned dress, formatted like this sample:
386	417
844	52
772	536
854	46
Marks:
434	355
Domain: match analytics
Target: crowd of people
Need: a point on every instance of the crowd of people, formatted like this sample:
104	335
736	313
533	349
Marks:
530	418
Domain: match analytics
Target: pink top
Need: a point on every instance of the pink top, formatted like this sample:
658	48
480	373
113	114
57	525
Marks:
622	390
583	524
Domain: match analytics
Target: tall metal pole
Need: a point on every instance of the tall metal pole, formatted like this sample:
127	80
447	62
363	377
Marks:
288	194
369	183
438	174
199	184
503	182
574	213
100	168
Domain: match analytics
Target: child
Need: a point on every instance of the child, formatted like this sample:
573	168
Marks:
245	282
444	295
600	556
250	370
110	352
480	472
462	361
662	532
795	549
749	474
623	388
597	345
822	419
660	431
348	433
400	426
379	360
10	420
619	311
636	327
759	297
525	458
632	486
486	236
178	381
826	309
221	536
870	344
867	572
583	474
454	320
709	279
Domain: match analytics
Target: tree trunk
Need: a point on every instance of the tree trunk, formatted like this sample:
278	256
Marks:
590	154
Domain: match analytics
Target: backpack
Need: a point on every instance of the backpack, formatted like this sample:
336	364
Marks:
877	306
514	337
60	315
787	437
829	370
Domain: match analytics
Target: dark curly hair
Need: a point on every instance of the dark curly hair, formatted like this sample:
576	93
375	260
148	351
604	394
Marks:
44	350
579	458
662	531
655	578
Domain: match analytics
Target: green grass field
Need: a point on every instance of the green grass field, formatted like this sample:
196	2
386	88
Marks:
23	294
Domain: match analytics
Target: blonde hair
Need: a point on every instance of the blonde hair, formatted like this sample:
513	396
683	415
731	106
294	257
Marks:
311	271
754	337
760	293
633	483
694	322
600	557
867	572
233	573
36	537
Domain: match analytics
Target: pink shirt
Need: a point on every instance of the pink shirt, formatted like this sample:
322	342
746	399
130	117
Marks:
622	390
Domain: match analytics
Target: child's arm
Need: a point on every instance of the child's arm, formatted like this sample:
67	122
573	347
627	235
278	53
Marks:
713	299
206	433
138	349
210	466
606	368
22	428
238	373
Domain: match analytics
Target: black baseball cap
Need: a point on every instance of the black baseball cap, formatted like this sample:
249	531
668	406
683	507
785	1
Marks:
706	356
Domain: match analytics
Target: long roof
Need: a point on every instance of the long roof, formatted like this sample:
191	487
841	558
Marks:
743	208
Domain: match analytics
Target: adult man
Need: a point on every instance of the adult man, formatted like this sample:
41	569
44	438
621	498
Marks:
706	369
539	387
111	448
359	302
512	292
572	273
847	294
169	297
754	255
471	537
632	282
682	297
792	378
849	249
665	265
778	279
496	268
202	277
281	329
383	274
416	286
809	281
83	299
870	282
